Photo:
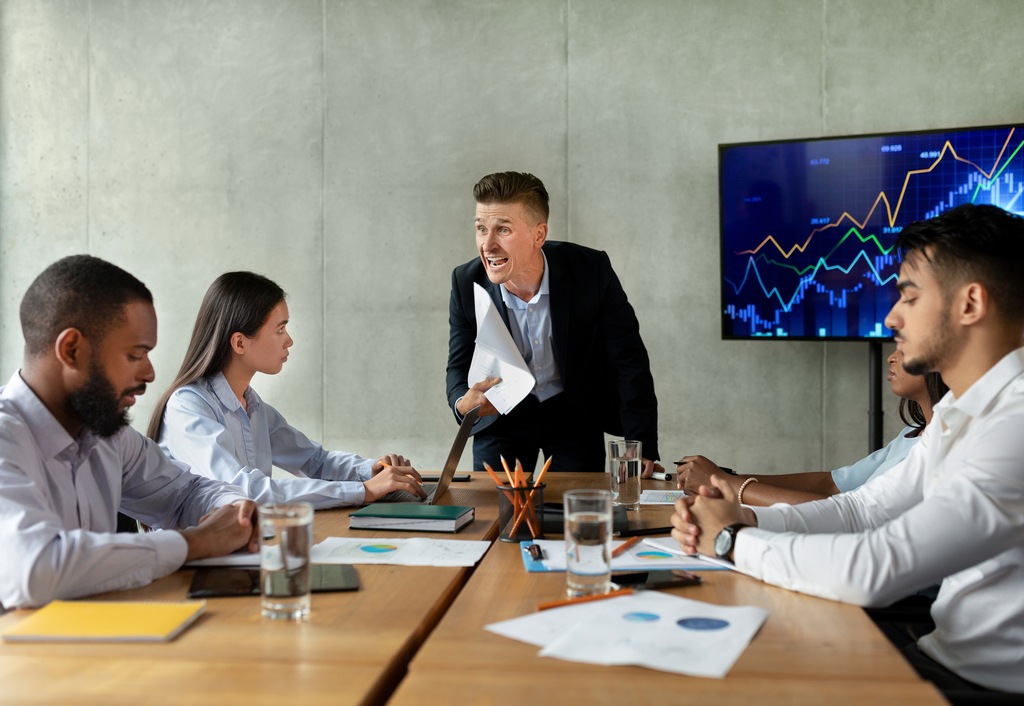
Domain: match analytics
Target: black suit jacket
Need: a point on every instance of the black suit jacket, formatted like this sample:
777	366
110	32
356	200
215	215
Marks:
595	336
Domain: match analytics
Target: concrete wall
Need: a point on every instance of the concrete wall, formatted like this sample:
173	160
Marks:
333	145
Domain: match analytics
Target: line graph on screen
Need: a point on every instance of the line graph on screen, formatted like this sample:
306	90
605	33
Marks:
808	226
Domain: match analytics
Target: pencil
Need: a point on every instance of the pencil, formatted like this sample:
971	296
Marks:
540	476
508	473
621	549
527	507
494	476
498	483
585	599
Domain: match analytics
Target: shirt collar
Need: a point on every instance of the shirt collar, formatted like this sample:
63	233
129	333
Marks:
51	437
986	389
220	387
514	302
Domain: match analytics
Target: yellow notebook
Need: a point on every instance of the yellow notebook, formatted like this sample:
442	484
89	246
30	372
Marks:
103	621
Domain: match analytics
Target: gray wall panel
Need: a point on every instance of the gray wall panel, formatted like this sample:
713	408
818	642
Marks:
44	150
333	145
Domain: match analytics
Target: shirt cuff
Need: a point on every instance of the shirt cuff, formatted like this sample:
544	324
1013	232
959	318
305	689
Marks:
769	518
171	551
233	496
751	544
364	471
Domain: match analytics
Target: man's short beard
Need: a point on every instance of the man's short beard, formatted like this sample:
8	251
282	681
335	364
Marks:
917	367
97	404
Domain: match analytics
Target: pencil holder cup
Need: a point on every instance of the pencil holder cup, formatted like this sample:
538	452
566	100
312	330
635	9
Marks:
520	513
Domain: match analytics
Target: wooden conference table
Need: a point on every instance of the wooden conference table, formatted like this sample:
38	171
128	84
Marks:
414	635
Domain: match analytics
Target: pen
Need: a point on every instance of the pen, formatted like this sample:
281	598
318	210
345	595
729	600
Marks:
585	599
621	549
667	475
726	469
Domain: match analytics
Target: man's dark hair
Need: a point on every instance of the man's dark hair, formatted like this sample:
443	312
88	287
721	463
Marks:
514	187
81	292
978	243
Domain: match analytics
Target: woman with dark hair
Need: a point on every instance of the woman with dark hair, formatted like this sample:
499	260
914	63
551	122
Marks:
917	392
211	419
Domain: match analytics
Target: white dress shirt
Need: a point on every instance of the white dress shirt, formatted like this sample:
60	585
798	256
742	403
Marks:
530	324
59	498
206	427
952	512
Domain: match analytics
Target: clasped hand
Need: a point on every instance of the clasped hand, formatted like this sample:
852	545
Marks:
699	518
695	471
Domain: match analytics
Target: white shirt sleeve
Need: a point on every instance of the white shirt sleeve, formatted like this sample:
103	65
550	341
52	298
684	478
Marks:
892	540
58	527
192	434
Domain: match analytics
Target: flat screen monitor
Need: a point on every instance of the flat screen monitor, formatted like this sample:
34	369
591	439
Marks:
808	226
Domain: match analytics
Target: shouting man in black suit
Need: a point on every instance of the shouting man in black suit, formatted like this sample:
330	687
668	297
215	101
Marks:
570	318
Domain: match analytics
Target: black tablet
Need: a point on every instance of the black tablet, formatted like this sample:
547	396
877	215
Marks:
220	581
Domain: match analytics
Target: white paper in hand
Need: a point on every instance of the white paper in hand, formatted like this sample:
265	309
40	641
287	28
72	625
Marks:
496	355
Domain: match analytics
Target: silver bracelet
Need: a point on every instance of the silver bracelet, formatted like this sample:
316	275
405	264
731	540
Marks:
739	495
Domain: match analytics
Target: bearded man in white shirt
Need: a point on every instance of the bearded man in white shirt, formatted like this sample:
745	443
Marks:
69	462
954	512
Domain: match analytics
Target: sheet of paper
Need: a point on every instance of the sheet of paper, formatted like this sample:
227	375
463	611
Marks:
659	631
648	629
661	497
419	551
639	557
496	355
671	546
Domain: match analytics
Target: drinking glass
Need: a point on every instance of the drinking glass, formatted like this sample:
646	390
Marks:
588	535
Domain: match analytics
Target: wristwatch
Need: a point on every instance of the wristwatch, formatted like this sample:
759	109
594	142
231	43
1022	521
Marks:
725	541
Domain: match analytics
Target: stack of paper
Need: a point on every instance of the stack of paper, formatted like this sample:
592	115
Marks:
649	629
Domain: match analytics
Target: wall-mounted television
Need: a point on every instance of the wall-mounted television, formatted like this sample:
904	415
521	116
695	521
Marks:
808	226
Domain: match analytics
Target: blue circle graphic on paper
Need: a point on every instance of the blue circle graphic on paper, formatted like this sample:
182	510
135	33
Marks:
379	548
640	617
653	555
702	623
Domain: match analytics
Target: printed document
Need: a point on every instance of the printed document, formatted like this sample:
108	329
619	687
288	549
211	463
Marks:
419	551
496	355
648	628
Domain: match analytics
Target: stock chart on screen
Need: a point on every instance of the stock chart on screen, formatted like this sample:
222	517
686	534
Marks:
808	226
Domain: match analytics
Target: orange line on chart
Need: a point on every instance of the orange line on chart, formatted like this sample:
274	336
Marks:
882	197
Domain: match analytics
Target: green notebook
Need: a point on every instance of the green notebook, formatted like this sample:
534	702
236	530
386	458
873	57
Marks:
411	517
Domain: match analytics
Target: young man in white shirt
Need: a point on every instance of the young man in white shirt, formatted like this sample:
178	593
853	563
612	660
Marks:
69	462
954	512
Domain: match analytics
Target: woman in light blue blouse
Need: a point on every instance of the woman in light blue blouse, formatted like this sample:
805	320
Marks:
917	393
212	420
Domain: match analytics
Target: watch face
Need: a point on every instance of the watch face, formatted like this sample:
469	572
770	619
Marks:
723	542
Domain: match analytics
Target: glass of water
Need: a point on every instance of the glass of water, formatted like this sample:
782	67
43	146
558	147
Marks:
286	535
588	536
625	464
